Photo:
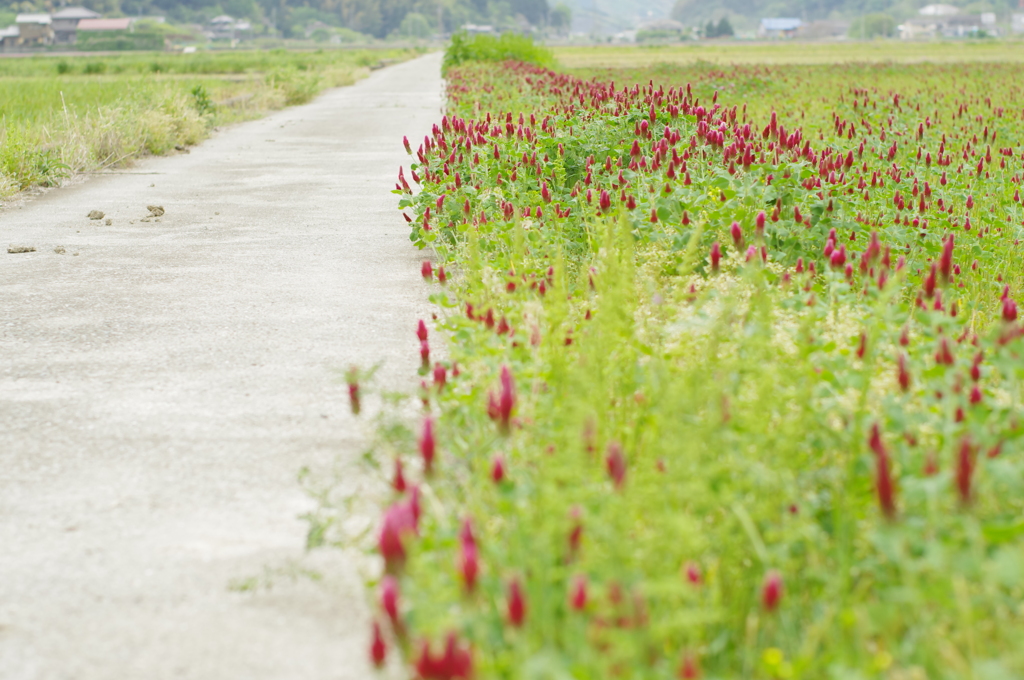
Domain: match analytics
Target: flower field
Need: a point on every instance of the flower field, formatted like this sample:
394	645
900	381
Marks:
732	377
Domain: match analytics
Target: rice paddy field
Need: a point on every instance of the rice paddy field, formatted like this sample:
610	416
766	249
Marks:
725	377
60	115
733	52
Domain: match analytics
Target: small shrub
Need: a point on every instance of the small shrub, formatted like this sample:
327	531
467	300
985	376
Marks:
201	100
509	46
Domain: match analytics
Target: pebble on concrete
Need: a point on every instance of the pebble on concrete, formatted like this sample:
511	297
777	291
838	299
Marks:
21	249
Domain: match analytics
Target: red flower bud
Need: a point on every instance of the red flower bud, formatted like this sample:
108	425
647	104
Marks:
421	331
427	270
737	235
946	259
398	482
929	283
690	669
965	470
576	534
884	484
578	593
469	564
399	523
944	355
516	603
440	376
716	256
378	650
506	401
1009	310
352	378
902	373
498	469
454	663
389	598
616	464
693	573
425	354
771	590
427	444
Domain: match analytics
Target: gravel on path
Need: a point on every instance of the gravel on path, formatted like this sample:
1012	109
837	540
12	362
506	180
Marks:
164	377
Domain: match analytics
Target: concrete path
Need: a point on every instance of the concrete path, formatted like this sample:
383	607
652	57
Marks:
161	389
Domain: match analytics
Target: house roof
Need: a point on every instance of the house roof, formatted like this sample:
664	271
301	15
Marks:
663	25
76	13
33	19
105	24
938	10
781	24
9	32
222	19
964	20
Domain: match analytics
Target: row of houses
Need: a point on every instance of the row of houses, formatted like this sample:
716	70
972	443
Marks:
948	21
60	28
933	21
31	31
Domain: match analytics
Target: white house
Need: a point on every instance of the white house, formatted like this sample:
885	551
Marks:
778	28
34	29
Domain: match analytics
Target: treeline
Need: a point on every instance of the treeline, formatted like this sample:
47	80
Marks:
377	18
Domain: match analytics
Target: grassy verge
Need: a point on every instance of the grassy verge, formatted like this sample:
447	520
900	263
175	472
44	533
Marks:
61	116
734	388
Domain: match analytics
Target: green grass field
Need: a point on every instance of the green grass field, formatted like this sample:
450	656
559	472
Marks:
632	56
60	115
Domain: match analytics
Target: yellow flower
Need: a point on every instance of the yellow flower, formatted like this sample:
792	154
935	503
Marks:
773	656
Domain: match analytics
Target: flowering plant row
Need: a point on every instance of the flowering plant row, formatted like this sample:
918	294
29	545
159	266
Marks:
729	393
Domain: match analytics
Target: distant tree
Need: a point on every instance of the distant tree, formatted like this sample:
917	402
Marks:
415	25
711	31
724	28
560	18
873	26
535	11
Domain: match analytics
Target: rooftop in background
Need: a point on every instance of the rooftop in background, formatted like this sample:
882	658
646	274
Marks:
76	13
105	24
783	24
938	10
663	25
33	19
9	32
